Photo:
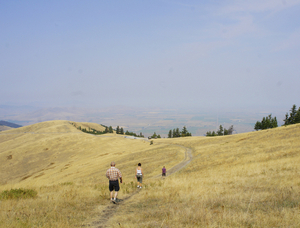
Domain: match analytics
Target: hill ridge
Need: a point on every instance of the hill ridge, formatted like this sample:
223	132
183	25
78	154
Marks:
9	124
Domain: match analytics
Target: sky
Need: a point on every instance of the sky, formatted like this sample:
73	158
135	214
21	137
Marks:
164	53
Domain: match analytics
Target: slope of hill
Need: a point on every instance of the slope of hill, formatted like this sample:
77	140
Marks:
8	124
88	126
244	180
4	128
35	153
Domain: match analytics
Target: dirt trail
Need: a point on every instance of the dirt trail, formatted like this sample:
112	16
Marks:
111	209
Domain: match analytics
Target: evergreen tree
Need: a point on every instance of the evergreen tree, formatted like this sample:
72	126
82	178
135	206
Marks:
209	133
122	131
297	116
118	130
230	130
286	120
170	134
154	136
188	134
294	116
184	132
110	129
266	123
174	133
274	122
177	132
220	131
225	131
257	125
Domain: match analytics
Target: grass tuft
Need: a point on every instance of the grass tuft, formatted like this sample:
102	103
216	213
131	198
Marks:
67	183
19	193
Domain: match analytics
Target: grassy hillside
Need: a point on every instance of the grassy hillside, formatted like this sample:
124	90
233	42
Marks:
4	128
245	180
67	168
88	126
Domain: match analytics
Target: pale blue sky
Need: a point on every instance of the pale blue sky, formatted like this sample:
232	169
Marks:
150	53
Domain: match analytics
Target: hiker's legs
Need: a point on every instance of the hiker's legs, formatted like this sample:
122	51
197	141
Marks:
141	181
114	186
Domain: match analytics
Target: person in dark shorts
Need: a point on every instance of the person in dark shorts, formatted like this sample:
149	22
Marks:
139	175
163	172
113	174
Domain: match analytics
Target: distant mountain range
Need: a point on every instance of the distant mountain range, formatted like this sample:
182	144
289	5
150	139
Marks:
8	124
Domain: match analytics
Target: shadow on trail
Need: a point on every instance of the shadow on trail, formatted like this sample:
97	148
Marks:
111	209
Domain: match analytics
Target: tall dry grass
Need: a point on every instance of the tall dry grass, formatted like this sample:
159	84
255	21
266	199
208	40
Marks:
67	169
246	180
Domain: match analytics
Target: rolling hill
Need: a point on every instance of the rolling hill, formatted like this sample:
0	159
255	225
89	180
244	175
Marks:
9	124
4	128
243	180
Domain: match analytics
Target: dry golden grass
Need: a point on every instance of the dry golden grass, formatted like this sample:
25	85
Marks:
87	125
245	180
4	128
67	168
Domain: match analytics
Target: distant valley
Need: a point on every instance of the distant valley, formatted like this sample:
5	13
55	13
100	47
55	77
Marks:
145	120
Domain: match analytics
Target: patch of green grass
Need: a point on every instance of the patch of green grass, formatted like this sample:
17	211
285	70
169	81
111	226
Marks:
67	183
18	194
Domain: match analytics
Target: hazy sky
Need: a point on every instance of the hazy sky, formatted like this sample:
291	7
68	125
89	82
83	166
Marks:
150	53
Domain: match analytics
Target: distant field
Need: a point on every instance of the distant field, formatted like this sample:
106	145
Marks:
242	180
149	120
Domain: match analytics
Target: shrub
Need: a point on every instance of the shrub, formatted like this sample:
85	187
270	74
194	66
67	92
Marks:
18	194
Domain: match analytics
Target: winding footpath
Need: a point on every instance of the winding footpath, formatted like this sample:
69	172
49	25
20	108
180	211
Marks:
111	209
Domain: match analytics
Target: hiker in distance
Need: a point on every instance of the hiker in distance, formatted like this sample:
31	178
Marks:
164	172
113	174
139	175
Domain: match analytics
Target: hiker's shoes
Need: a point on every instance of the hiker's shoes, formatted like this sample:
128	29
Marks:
115	201
138	186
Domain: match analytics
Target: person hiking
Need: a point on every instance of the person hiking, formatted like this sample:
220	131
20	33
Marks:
139	175
113	174
163	171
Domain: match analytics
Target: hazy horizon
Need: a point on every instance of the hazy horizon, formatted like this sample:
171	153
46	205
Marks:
145	120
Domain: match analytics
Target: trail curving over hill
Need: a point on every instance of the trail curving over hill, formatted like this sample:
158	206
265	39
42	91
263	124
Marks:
111	209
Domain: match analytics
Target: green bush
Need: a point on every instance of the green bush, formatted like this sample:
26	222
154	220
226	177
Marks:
18	194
